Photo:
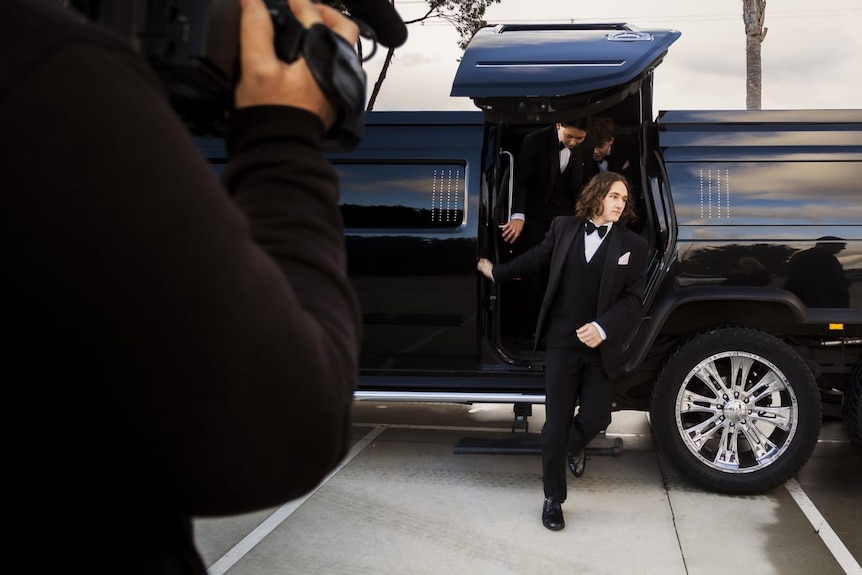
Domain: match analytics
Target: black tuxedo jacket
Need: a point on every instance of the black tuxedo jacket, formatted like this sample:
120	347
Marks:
621	289
536	172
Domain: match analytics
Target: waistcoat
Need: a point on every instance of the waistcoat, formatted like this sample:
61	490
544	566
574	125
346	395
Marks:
576	299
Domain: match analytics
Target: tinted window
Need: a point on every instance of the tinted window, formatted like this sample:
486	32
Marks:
402	195
753	193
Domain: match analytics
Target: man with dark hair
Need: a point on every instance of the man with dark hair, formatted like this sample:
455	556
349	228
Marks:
176	347
612	153
603	132
549	175
596	282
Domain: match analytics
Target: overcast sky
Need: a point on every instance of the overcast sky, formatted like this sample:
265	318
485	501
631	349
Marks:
811	57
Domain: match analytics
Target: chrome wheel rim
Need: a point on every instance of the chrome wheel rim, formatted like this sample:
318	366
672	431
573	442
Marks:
736	412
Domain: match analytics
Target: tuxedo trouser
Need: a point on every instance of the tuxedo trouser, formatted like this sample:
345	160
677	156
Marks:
572	377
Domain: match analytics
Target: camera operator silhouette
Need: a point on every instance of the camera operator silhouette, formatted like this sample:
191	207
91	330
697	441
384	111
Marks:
816	276
179	347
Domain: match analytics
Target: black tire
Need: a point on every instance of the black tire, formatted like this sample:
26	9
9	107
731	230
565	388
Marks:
742	438
851	408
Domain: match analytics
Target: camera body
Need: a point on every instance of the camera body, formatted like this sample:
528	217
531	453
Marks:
193	46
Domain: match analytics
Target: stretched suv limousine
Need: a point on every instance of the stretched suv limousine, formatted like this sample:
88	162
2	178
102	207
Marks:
740	348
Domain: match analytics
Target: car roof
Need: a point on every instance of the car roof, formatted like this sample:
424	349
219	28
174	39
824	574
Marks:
556	72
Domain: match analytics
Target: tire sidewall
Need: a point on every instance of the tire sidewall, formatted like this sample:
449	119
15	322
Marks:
851	408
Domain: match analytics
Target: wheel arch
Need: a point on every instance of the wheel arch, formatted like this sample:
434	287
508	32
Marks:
685	313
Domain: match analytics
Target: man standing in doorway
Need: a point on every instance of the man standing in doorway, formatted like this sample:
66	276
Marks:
549	175
610	154
616	154
597	279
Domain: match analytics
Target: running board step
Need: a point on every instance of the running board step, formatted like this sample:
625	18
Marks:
521	444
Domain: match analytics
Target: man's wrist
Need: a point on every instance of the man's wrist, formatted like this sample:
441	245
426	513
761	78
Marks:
601	331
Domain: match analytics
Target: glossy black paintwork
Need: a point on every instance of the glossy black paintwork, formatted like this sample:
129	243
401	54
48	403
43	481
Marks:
752	189
730	197
744	200
417	284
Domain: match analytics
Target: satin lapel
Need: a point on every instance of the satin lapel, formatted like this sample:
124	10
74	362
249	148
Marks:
562	245
553	155
611	267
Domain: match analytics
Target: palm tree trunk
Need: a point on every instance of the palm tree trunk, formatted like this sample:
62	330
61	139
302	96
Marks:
753	15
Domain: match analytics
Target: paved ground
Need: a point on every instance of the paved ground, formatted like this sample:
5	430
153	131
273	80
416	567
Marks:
404	503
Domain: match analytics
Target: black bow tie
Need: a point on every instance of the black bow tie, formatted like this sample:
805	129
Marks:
562	146
591	227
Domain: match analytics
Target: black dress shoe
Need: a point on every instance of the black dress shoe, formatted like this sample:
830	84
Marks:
552	514
577	463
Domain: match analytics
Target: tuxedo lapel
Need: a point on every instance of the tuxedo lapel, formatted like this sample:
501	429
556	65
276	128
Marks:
561	251
552	154
562	245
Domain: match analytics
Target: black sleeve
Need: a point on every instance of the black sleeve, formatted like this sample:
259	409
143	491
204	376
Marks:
203	343
526	164
585	154
529	262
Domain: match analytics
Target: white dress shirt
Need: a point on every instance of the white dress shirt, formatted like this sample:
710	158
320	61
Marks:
593	241
591	246
565	154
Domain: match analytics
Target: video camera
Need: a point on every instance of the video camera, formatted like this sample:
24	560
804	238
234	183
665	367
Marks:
193	45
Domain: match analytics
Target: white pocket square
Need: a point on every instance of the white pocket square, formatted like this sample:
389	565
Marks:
624	259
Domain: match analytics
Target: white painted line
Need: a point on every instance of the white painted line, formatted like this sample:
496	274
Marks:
239	550
833	543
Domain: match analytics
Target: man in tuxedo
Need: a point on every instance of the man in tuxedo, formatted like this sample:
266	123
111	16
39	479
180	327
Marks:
549	175
613	154
596	283
607	156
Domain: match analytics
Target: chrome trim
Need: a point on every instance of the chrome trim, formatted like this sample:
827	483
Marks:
608	64
511	181
840	342
446	397
630	36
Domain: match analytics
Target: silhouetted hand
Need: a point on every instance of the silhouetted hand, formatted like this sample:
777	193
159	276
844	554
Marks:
265	79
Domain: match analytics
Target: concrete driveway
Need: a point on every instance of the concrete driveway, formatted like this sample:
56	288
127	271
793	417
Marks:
404	503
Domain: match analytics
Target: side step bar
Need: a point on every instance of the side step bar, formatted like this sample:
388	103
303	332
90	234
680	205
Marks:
518	443
522	444
447	397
